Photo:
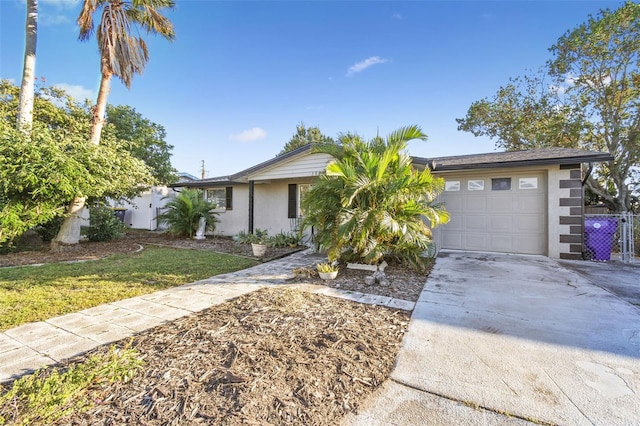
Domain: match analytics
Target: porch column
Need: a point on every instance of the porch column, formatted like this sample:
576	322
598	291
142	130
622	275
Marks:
251	207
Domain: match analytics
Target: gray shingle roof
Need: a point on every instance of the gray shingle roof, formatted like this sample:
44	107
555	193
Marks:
543	156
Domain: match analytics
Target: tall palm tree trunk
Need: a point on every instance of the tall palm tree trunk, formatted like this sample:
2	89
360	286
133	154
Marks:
100	109
69	234
27	87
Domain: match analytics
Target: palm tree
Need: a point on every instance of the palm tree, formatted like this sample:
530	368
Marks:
27	87
183	213
121	53
372	203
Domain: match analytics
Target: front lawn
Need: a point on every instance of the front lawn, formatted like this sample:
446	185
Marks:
36	293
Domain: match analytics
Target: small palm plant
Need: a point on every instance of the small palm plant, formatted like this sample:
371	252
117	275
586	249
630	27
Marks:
372	203
184	212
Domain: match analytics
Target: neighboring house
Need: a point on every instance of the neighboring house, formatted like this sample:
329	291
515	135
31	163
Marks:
142	211
512	202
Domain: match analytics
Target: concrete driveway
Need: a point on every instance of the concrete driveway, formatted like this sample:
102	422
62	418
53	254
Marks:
504	339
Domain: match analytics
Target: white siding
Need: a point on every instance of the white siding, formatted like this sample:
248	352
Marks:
306	166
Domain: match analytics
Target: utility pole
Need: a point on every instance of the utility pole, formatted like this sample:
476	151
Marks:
202	170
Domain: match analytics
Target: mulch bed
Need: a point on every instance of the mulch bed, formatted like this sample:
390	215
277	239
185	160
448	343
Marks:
274	356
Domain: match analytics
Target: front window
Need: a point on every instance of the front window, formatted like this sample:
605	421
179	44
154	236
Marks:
302	189
218	196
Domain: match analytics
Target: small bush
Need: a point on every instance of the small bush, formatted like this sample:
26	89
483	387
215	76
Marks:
284	240
259	236
104	225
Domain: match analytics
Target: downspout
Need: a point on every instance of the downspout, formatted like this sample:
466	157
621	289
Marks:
251	185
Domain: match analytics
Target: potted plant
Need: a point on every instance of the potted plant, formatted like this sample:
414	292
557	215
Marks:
327	271
259	242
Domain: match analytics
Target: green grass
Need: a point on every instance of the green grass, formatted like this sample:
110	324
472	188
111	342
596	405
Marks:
49	394
36	293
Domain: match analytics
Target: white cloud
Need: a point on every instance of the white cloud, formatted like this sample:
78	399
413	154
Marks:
363	65
250	135
397	16
78	93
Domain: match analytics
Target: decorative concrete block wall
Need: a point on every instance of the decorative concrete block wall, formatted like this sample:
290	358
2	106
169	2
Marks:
570	219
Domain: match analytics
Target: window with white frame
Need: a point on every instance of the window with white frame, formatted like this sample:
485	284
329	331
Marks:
475	185
528	183
452	185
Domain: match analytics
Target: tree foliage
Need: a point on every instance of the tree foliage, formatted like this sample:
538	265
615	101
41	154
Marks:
592	102
121	53
43	171
304	136
372	203
184	212
145	140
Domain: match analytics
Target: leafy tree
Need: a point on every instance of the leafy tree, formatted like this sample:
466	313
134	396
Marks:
27	87
304	136
591	102
121	53
372	202
184	212
145	139
41	172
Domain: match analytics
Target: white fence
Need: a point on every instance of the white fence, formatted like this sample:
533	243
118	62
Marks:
612	237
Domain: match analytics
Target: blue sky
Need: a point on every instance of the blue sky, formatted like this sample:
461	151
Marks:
241	74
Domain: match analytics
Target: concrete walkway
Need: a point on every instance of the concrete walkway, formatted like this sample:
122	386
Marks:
505	339
34	345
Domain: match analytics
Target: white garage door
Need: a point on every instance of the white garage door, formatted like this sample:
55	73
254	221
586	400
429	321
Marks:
500	213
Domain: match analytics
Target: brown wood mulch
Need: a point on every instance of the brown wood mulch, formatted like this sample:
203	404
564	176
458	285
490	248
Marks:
276	356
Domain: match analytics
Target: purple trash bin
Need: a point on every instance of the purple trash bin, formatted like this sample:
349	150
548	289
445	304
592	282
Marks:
598	236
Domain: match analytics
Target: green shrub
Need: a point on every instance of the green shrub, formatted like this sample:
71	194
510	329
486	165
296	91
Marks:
284	240
104	225
184	212
259	236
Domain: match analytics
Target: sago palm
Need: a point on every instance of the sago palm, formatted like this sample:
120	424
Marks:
372	203
122	53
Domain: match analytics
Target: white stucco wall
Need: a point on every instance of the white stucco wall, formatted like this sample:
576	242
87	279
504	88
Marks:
237	219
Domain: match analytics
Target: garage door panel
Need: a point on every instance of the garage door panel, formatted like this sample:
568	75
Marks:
454	203
529	223
501	204
476	241
501	223
475	204
529	203
501	242
512	221
475	223
452	239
